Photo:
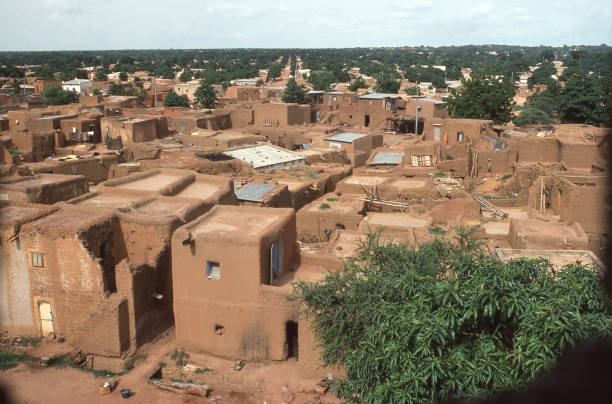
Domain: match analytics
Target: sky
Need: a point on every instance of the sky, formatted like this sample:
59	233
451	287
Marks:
190	24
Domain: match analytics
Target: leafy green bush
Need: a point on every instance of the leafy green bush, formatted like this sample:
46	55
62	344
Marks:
448	320
440	175
324	206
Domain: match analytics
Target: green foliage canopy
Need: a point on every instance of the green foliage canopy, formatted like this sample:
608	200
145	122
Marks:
358	83
583	100
172	99
205	96
294	93
55	95
448	320
483	96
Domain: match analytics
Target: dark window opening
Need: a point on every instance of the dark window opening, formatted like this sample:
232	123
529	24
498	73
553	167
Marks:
291	339
219	329
340	226
367	120
108	266
213	270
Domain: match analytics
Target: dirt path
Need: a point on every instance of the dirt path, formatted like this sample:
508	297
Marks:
270	382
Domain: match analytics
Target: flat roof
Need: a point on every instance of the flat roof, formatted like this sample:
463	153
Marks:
240	221
253	192
378	96
264	155
387	158
17	212
346	137
558	258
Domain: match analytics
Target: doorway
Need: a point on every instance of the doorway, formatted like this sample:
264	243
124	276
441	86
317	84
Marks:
46	318
291	339
367	120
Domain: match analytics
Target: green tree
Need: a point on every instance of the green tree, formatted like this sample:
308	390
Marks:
483	96
583	100
172	99
321	80
274	71
412	90
55	95
448	320
100	75
294	93
16	84
186	76
358	83
542	75
205	96
115	89
387	85
123	76
533	116
96	91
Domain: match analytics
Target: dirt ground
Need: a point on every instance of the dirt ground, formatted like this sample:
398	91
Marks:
270	382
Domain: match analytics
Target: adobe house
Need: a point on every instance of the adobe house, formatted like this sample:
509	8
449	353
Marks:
428	108
70	261
263	194
451	131
175	182
94	168
231	304
358	146
540	234
87	124
373	109
46	124
133	129
43	188
317	220
281	114
33	147
422	157
16	311
575	199
243	93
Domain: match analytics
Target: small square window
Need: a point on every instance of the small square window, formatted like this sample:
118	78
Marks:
37	259
213	270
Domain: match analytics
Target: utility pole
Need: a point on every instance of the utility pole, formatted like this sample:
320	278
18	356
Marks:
154	91
416	114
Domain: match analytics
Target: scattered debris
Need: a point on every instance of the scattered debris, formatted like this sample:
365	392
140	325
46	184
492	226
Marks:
183	388
238	365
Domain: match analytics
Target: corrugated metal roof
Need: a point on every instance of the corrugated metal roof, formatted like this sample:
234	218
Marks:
378	96
387	158
265	155
314	92
76	81
432	100
253	192
345	137
335	92
56	116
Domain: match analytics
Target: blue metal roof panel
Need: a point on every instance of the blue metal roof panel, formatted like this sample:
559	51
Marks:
253	192
387	158
432	100
314	92
346	137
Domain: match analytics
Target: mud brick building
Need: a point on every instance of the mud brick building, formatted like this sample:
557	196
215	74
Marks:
233	304
43	188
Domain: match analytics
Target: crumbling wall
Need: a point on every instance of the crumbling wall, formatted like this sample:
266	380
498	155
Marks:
35	147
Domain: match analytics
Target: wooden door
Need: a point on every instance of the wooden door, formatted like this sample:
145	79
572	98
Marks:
46	318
